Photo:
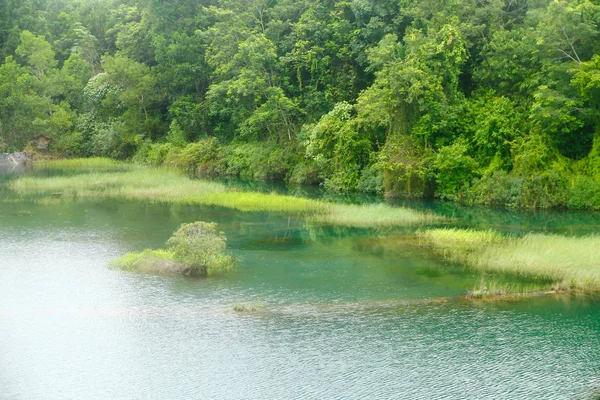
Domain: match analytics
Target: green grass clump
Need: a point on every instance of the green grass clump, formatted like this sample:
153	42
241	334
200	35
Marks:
571	262
377	215
492	289
247	307
164	185
148	261
461	238
253	201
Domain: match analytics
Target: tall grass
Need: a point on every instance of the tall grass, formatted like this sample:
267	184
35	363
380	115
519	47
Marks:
494	288
91	162
369	215
571	262
170	186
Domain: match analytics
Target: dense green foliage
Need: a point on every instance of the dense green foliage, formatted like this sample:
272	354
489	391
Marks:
490	102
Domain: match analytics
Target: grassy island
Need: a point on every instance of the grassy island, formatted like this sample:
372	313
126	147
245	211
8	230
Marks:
569	262
196	249
103	178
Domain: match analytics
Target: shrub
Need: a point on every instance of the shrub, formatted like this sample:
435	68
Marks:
406	169
343	180
69	144
371	179
585	194
172	157
238	159
496	189
455	170
114	140
340	145
189	157
257	161
201	247
208	157
304	173
157	153
544	190
538	180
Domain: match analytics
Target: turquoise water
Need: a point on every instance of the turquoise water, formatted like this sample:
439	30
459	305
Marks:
343	313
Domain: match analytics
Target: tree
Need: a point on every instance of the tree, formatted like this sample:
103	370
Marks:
19	105
37	52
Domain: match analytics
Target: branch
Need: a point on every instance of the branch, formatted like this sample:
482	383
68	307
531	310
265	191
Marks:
570	56
571	44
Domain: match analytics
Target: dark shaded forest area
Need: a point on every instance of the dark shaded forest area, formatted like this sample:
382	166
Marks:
492	102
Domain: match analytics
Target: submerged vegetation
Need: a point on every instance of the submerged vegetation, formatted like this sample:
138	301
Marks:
195	249
568	262
493	289
247	307
170	186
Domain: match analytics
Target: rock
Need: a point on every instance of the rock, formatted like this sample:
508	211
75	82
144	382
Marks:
195	272
41	142
13	159
155	265
160	266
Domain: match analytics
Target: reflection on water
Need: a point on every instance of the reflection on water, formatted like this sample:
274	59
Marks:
345	313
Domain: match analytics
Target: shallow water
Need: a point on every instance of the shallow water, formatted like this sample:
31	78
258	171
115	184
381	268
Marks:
343	313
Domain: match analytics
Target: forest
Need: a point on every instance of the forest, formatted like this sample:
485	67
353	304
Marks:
491	102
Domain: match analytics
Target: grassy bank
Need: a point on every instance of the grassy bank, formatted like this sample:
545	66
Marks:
170	186
91	162
569	262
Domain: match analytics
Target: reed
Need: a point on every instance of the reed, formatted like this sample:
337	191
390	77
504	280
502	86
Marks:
570	262
170	186
490	288
92	162
372	215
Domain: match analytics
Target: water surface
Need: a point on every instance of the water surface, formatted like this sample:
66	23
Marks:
344	313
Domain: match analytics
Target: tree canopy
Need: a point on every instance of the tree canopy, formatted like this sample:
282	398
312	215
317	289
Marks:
494	101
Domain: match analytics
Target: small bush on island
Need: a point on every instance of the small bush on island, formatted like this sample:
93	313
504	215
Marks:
196	249
201	247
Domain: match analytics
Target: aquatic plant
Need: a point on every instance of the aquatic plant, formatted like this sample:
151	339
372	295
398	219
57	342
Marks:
247	307
170	186
377	215
195	249
490	288
570	262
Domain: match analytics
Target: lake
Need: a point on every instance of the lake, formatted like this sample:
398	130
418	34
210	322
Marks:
341	313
